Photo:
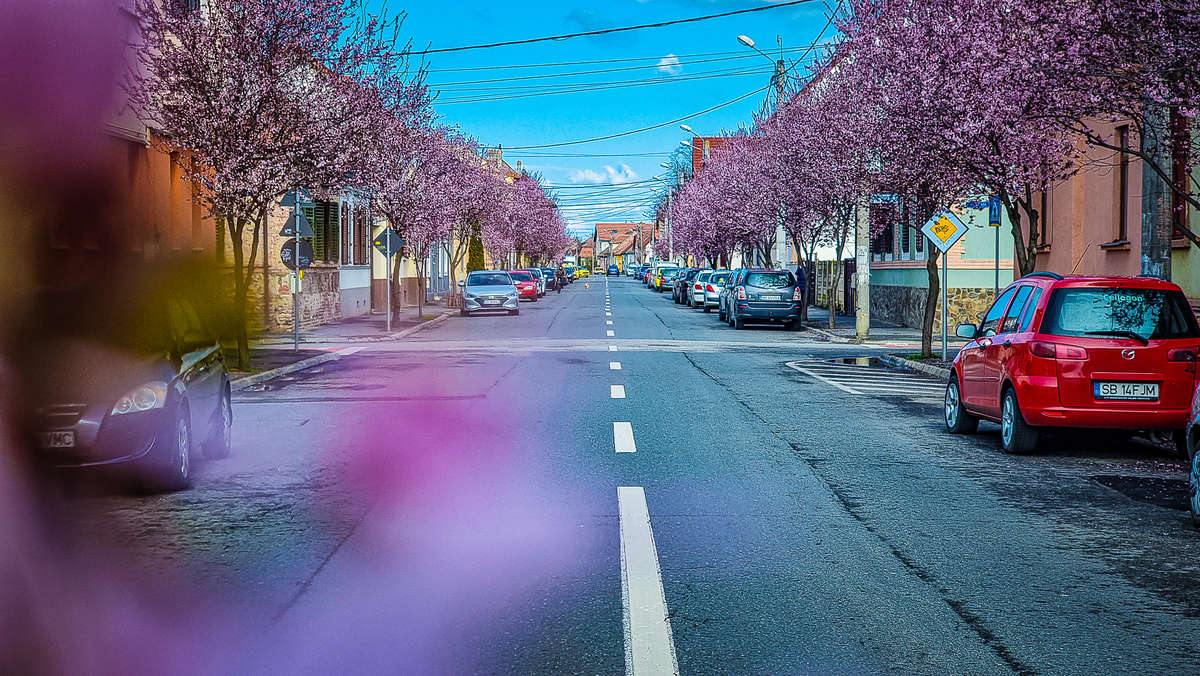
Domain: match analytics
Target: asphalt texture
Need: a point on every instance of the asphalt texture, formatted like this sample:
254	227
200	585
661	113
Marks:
447	503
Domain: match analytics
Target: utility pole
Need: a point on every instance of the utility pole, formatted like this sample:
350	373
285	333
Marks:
862	270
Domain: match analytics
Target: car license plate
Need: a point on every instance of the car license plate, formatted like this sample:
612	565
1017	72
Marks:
59	439
491	302
773	296
1131	391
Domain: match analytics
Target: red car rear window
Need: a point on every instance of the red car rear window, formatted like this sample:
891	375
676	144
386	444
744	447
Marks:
521	276
1117	312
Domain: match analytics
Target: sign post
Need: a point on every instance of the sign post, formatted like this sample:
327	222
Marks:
297	227
943	231
389	244
994	221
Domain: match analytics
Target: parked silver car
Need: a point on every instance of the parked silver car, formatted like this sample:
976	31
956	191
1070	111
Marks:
695	294
712	290
489	290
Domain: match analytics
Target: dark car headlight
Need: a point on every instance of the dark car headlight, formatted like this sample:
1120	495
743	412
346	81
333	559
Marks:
143	398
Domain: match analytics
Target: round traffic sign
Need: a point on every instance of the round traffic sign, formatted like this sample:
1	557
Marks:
287	254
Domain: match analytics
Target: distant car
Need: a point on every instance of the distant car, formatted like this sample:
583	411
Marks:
489	291
664	277
540	278
597	271
695	290
712	290
581	272
571	276
1114	353
613	271
139	391
551	278
763	295
632	270
527	286
682	286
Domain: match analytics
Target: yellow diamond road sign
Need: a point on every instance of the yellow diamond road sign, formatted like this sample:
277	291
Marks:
944	229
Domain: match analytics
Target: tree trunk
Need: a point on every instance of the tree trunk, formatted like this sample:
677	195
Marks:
241	335
420	287
394	280
931	302
833	285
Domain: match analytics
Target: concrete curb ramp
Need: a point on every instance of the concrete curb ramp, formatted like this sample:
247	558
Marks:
901	362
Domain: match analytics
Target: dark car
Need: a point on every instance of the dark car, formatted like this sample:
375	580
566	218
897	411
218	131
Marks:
613	271
683	284
551	279
762	295
137	390
664	278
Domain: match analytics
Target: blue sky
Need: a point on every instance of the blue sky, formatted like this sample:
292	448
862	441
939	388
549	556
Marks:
672	84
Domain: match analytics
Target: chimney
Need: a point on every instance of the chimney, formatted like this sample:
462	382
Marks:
518	166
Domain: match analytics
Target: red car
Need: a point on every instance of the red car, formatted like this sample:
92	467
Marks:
1097	352
527	286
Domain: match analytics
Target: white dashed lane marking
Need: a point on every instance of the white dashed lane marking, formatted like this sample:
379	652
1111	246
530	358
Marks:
873	381
649	645
623	438
616	391
614	366
610	333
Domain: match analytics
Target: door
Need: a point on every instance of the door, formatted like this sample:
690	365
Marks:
996	356
974	370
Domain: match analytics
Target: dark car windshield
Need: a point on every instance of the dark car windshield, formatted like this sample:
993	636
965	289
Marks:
1148	313
770	280
488	279
521	276
535	272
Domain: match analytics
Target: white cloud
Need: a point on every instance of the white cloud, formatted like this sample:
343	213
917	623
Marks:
670	65
609	174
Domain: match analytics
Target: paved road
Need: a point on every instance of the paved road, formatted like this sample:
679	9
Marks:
532	494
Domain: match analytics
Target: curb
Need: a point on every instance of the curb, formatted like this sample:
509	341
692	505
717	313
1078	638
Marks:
243	383
247	381
901	362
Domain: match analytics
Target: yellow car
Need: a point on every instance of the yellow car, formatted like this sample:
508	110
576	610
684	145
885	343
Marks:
581	272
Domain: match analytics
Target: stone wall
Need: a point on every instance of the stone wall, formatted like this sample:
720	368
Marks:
320	297
905	305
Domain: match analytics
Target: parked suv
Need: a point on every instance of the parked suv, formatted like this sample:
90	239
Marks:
682	284
664	277
763	295
1097	352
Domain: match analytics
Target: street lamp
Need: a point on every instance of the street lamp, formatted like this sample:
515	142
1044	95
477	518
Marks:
780	68
687	129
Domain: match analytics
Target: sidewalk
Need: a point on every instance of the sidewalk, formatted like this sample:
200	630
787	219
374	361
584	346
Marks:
362	329
882	333
272	354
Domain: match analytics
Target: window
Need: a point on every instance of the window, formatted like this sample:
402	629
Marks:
489	279
347	238
1044	218
991	321
1030	309
1148	313
770	280
521	276
1180	175
1012	318
1121	176
324	219
362	235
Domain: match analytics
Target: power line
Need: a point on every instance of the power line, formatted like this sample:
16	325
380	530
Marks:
684	60
644	129
586	89
598	83
606	31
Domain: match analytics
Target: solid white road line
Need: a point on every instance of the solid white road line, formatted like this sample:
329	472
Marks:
649	645
610	333
614	366
616	391
623	438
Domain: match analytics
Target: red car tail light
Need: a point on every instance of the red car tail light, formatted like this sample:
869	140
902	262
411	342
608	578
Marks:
741	293
709	288
1187	354
698	287
1057	351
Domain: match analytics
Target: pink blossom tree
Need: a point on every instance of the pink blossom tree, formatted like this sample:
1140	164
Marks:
262	97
